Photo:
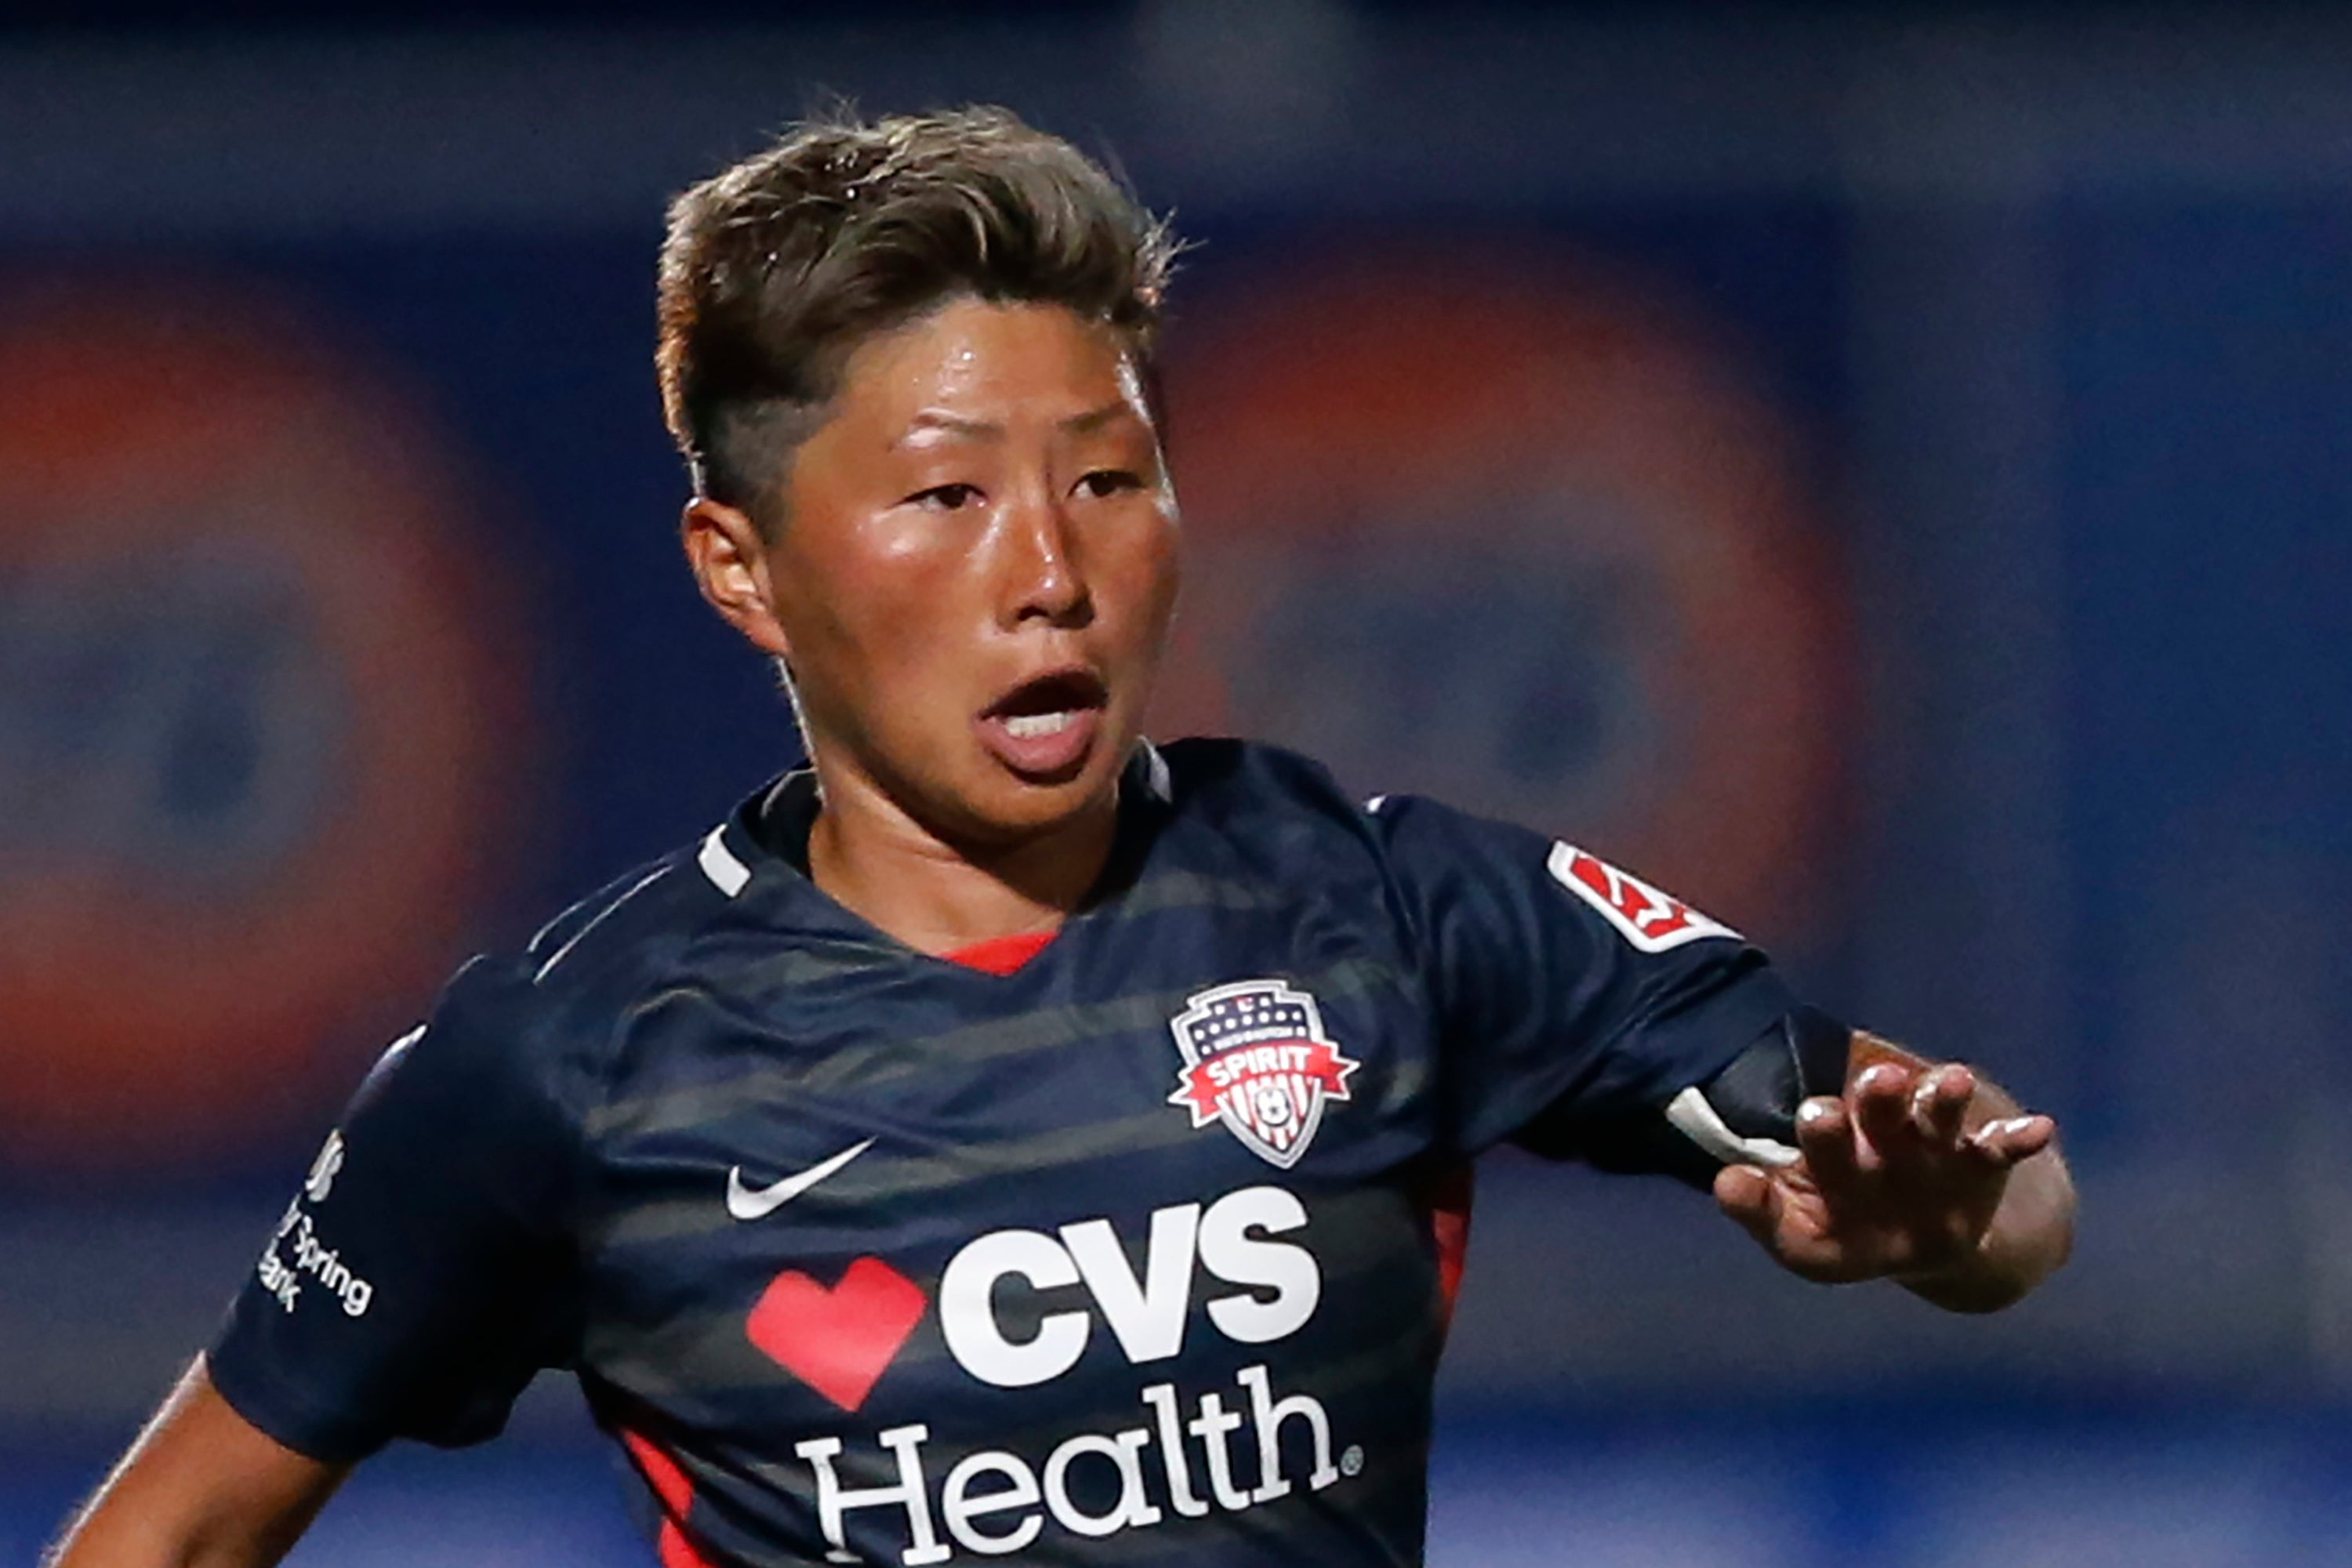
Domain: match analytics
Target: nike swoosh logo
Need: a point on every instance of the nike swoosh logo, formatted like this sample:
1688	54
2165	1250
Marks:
759	1202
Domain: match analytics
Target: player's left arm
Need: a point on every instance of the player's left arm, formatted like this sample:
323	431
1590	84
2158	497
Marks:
1925	1173
1586	1014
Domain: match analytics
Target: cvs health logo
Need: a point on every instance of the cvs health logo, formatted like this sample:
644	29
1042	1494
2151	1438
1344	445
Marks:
840	1340
1230	1240
1173	1455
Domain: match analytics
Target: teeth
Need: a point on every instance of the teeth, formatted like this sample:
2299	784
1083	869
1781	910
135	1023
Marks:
1029	726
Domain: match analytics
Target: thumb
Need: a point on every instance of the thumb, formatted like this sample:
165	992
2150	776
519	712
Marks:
1748	1196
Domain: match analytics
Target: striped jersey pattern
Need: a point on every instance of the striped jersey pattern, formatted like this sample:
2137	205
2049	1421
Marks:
1130	1245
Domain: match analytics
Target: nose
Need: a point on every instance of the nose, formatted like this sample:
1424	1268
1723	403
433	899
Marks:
1042	565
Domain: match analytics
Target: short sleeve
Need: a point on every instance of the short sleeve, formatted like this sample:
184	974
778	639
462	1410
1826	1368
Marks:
421	1275
1569	995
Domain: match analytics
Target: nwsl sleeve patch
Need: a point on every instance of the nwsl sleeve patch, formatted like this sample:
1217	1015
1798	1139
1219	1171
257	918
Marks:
1652	921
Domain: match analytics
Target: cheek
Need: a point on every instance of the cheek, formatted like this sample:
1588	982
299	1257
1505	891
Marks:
1171	561
905	543
866	625
1147	569
904	649
1167	581
887	685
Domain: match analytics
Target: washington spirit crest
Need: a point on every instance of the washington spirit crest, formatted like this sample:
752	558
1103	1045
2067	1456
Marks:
1256	1054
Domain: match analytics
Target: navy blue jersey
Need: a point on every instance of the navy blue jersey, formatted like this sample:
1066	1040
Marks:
867	1256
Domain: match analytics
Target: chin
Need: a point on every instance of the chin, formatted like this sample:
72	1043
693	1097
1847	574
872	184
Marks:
1007	809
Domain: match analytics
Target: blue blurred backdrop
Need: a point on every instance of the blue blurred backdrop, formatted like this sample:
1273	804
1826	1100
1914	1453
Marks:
1885	476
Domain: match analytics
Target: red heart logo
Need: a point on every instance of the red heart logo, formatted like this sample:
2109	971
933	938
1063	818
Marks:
838	1342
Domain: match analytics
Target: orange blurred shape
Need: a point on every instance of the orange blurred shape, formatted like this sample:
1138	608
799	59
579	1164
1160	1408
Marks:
1441	501
254	720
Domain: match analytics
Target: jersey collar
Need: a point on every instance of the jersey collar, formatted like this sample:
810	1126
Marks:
761	851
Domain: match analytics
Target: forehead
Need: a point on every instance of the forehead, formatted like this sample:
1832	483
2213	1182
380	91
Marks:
1001	363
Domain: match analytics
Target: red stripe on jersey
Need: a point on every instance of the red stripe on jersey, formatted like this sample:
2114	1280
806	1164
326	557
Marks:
1000	954
1449	1223
677	1495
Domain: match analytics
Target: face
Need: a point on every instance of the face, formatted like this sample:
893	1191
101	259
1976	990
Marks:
974	571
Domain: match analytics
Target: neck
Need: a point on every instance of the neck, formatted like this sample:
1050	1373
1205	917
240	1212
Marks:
877	861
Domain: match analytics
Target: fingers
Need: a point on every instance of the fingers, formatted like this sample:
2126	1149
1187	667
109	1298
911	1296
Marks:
1892	1177
1825	1136
2012	1139
1881	1112
1901	1112
1782	1213
1939	1104
1747	1194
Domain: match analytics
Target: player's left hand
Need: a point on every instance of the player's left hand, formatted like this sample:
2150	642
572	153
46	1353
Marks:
1894	1179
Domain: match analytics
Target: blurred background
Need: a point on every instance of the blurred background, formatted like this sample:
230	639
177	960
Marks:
1882	474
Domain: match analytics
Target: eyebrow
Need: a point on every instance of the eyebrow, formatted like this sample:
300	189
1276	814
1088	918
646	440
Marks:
985	430
1096	418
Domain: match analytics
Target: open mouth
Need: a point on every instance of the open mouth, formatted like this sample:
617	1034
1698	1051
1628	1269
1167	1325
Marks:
1044	728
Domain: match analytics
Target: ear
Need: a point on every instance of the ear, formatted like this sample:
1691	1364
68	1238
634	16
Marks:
730	566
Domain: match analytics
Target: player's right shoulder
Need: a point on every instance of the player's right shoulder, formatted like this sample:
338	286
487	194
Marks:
638	922
550	1010
627	913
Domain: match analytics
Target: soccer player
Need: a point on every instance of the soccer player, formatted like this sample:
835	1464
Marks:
1007	1138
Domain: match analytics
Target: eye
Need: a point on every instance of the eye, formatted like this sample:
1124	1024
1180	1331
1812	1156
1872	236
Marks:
945	498
1104	483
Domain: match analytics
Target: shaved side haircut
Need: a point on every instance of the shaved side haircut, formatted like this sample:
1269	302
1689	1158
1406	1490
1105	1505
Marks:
776	269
